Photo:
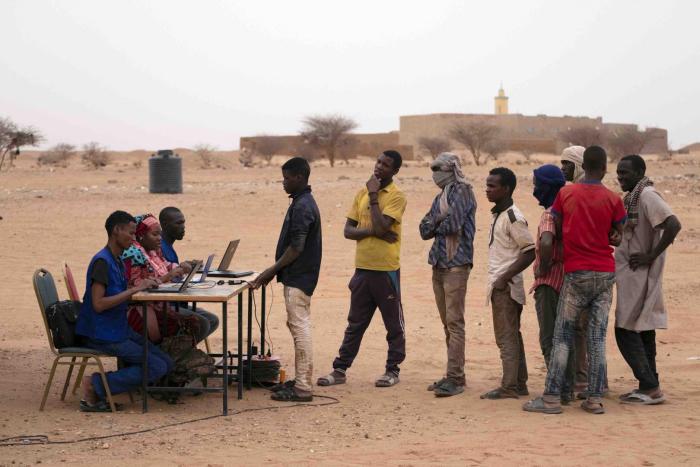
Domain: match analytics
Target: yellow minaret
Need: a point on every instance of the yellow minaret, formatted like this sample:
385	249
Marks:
501	102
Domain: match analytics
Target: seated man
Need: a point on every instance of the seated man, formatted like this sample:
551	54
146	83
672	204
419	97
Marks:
103	323
172	223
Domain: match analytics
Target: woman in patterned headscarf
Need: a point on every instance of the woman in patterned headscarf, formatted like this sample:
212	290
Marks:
144	260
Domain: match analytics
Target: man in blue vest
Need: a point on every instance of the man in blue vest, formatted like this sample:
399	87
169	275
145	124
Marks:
103	323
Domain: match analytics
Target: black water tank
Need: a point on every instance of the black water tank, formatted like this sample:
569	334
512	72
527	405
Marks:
165	172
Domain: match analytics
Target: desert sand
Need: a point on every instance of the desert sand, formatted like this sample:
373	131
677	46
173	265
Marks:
52	215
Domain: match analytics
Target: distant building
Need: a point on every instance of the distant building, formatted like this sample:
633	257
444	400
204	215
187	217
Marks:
533	133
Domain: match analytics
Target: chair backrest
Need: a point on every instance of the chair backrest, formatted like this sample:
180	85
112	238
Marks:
46	294
70	283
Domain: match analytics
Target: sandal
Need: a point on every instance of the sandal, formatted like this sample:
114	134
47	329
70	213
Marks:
436	384
290	394
592	406
336	377
539	405
499	393
99	406
387	380
449	388
639	398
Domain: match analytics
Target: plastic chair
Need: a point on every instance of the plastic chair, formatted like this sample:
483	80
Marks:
70	283
46	294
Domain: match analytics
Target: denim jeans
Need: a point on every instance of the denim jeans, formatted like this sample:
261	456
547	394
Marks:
546	304
583	291
130	351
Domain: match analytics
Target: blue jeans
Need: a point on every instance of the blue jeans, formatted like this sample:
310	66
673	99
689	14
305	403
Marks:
130	351
583	291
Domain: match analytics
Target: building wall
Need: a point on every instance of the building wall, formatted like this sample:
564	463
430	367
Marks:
362	144
538	133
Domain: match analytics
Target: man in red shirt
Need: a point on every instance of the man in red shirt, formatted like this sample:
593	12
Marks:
590	217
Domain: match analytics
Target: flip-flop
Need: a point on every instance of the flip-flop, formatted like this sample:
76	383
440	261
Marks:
593	407
627	394
100	406
387	380
330	380
639	398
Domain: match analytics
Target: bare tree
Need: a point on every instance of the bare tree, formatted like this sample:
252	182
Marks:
205	152
526	153
583	136
626	141
347	148
57	155
12	138
268	146
475	136
434	146
95	156
495	148
327	133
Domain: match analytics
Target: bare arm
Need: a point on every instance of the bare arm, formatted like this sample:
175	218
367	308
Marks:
525	259
671	227
352	232
101	303
288	257
546	253
380	223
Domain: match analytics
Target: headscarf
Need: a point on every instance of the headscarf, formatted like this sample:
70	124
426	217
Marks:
449	173
575	154
450	170
548	180
631	201
136	253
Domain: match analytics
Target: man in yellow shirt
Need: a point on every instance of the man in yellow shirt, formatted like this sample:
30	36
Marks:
374	221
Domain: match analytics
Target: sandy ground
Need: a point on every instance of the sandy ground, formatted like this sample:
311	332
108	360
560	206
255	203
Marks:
55	215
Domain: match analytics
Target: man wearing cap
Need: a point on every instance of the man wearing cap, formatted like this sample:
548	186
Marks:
451	224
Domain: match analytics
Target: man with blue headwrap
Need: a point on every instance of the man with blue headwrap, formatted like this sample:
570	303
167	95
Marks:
549	267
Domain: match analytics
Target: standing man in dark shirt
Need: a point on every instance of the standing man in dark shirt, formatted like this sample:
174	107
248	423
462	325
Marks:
451	224
103	323
298	260
172	224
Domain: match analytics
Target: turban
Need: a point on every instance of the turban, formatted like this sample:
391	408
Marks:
574	154
548	180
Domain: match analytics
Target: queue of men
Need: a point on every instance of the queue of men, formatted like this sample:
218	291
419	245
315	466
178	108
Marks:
575	267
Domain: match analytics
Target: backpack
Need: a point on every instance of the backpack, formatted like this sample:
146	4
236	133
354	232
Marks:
190	363
62	317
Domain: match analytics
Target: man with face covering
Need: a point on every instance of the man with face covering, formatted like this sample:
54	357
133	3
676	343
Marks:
549	267
451	224
572	163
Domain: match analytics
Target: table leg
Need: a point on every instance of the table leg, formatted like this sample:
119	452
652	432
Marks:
144	363
262	321
249	382
224	329
240	345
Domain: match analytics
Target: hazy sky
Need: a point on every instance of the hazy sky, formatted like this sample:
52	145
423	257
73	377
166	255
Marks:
158	74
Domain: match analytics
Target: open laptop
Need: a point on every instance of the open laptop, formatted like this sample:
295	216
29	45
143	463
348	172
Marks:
177	288
223	269
205	271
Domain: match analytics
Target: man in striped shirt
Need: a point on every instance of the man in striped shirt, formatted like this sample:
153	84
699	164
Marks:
450	223
549	267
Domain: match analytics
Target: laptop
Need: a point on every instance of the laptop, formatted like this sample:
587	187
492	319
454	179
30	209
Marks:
205	271
223	269
177	288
